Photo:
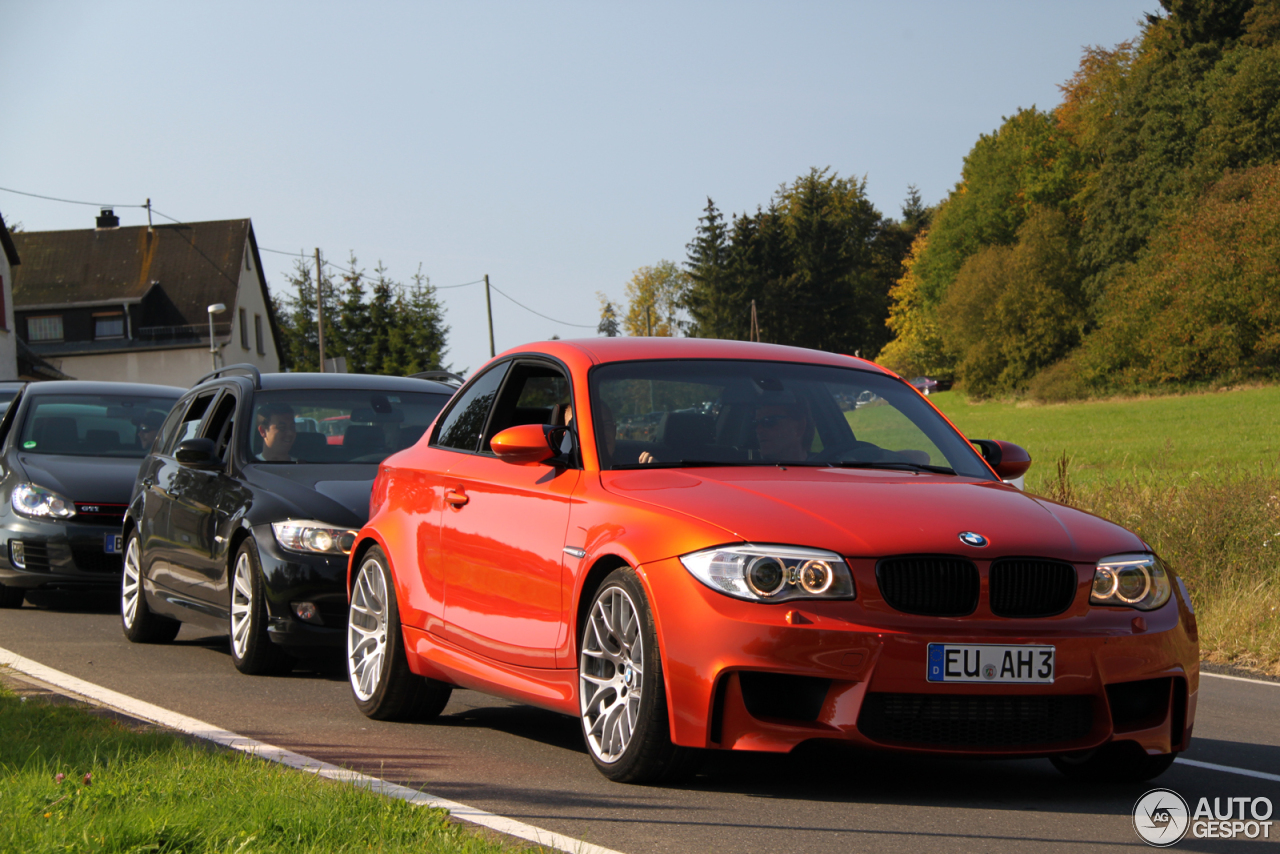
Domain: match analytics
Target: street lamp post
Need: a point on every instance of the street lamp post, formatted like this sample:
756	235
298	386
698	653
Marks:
213	348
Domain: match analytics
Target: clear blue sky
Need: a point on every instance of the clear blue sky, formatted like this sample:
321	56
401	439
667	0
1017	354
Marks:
555	146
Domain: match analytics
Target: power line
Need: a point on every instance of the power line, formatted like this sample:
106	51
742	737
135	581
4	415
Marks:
70	201
540	314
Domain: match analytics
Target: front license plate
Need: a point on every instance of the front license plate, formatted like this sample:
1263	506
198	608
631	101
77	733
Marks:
981	662
114	544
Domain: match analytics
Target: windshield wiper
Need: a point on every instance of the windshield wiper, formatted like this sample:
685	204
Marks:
676	464
853	464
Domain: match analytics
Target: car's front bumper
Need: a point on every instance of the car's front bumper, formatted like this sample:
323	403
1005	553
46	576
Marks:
750	676
59	555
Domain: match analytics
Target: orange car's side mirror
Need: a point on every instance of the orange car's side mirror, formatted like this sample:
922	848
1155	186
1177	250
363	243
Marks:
1009	460
523	445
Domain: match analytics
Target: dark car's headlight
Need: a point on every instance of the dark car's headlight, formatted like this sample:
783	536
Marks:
772	573
311	537
36	502
1133	580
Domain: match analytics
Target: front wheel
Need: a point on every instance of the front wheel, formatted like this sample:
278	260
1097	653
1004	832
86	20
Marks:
11	597
621	690
252	650
1119	761
140	624
382	684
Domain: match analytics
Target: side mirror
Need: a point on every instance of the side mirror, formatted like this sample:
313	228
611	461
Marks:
1009	460
198	454
524	444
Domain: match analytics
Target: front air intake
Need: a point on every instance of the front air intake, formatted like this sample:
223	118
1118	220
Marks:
935	586
975	720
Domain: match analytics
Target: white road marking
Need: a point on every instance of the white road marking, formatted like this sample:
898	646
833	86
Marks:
1243	772
146	711
1241	679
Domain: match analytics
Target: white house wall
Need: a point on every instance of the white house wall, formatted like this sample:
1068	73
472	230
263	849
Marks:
163	367
250	296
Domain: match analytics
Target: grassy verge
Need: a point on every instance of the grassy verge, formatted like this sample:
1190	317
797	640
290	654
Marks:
71	780
1197	476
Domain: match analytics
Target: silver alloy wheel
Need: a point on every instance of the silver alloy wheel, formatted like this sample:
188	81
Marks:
241	605
367	630
131	583
611	674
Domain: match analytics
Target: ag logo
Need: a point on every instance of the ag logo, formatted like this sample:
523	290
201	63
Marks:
1161	817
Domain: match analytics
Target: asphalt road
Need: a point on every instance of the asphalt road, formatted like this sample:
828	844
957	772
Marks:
530	765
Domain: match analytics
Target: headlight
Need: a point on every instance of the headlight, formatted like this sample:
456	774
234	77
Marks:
1135	581
40	503
313	537
772	573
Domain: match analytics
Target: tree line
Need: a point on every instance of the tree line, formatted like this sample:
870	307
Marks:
379	325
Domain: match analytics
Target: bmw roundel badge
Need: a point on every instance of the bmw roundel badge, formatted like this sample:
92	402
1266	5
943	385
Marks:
969	538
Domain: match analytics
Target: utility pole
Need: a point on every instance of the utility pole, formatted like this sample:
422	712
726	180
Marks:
488	306
320	308
755	324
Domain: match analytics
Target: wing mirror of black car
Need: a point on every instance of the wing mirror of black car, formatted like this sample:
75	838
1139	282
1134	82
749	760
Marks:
198	453
1009	460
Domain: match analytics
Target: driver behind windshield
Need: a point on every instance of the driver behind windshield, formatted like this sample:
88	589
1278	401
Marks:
784	430
278	430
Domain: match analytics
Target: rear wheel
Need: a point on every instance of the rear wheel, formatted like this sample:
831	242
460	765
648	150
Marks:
11	597
1119	761
621	691
382	684
252	649
139	623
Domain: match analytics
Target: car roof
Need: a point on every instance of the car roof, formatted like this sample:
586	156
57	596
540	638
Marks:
627	349
364	382
102	387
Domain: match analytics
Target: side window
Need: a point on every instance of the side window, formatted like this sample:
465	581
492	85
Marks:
461	426
170	425
190	424
533	394
220	425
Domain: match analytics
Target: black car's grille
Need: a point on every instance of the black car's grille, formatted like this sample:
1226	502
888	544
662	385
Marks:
101	514
937	586
35	555
975	720
1023	587
89	559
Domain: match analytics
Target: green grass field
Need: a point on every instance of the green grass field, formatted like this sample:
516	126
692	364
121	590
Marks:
72	780
1112	440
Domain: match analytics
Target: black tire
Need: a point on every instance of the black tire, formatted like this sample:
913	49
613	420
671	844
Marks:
382	685
252	650
619	624
140	624
1117	762
11	597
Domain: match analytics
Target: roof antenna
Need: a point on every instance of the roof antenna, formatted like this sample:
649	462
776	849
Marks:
148	207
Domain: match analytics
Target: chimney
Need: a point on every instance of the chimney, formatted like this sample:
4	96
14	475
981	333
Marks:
108	219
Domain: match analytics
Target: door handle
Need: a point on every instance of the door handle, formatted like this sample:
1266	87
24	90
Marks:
456	497
148	482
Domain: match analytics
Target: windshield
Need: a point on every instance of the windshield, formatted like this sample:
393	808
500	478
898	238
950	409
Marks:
696	412
338	425
93	425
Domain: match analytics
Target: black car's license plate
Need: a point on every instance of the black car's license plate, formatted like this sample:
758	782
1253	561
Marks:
114	544
981	662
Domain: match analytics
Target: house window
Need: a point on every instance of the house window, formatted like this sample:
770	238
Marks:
248	262
44	328
257	332
244	331
107	324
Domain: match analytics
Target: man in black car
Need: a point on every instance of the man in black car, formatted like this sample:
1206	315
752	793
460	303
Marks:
277	428
148	426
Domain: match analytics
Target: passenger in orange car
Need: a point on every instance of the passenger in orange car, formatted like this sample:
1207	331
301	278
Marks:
277	429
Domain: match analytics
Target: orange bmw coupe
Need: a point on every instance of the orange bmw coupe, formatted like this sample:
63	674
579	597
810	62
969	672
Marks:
699	545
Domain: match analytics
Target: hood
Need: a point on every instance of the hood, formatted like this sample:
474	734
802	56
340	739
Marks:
337	494
84	480
866	513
